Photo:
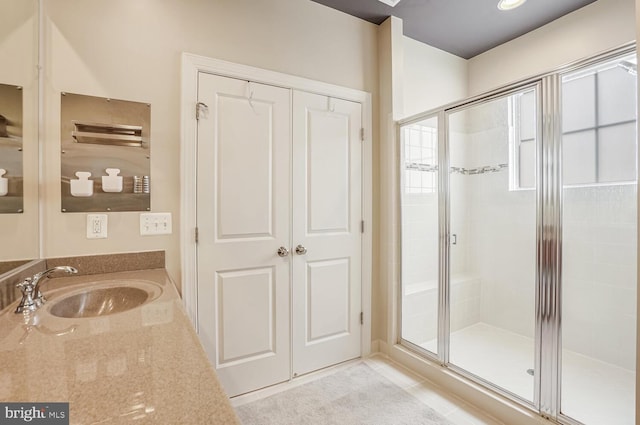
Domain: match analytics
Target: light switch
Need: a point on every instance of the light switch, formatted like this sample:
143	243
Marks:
155	224
96	226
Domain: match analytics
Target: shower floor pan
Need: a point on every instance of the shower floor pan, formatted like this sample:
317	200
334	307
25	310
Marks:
593	392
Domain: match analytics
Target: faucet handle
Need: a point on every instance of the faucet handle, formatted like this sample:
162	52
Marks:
32	298
27	303
26	286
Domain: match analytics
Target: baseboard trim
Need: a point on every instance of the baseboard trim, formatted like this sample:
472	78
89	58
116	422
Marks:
375	346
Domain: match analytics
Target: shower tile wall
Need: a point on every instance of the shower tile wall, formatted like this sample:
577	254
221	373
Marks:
419	267
420	230
459	223
420	276
420	319
599	235
501	245
599	273
420	272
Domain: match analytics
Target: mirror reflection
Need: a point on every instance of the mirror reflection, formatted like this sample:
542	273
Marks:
10	149
18	134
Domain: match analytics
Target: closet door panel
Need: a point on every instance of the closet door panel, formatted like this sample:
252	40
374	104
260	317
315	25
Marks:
244	157
326	248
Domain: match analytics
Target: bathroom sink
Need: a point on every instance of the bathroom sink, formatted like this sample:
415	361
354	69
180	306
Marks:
103	300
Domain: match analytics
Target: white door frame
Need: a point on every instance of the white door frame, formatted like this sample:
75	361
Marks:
191	66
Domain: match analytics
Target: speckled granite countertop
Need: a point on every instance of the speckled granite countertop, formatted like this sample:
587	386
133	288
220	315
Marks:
142	366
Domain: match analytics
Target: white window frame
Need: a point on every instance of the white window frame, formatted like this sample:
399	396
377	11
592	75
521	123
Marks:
421	167
595	70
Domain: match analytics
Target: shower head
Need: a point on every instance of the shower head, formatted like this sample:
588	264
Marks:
631	68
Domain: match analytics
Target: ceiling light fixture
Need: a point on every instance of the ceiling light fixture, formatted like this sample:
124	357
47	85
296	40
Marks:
509	4
391	3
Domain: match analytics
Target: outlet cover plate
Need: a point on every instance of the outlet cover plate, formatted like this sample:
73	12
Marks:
155	224
96	226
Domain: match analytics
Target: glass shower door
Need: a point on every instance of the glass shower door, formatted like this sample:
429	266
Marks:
420	238
492	252
599	252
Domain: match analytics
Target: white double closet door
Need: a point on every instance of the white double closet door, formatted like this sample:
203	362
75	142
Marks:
279	218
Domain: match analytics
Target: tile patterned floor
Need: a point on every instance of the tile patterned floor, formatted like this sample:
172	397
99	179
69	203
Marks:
443	402
448	405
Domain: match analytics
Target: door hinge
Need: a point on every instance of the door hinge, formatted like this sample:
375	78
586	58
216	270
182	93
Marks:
201	110
362	134
361	318
196	234
362	226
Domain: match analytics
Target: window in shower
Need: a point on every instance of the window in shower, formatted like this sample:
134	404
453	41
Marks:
598	127
522	116
599	124
419	209
420	142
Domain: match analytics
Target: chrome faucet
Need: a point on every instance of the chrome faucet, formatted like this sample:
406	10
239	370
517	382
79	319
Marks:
32	298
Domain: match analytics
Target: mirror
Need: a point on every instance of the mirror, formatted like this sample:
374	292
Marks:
19	58
10	149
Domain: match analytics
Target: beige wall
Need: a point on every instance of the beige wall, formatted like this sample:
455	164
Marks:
18	59
600	26
132	50
390	93
432	77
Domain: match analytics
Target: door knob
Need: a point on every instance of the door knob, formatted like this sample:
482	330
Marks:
301	250
283	252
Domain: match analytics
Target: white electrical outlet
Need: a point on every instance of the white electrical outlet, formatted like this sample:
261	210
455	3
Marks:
96	226
155	224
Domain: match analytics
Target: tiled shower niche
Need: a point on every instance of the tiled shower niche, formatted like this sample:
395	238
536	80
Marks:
105	156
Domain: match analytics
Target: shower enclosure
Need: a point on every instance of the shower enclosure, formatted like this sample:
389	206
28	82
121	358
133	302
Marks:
518	229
